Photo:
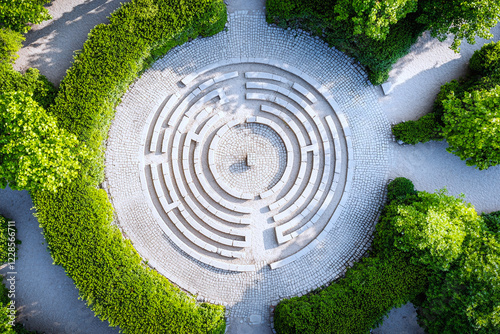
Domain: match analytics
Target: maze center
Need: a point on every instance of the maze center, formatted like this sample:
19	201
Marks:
251	158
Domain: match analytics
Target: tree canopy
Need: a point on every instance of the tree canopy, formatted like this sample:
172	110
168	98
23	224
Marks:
17	14
465	19
472	126
34	153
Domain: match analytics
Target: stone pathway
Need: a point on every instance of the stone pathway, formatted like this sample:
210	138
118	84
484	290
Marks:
249	236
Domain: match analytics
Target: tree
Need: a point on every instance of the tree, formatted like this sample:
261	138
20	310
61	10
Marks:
472	126
466	299
373	17
17	14
465	19
432	227
10	43
34	153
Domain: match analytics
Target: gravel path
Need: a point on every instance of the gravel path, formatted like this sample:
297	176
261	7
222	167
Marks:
47	296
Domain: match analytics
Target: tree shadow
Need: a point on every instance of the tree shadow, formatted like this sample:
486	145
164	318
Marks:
50	46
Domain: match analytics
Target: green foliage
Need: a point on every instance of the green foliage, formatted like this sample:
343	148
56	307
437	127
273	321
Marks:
12	81
486	60
399	189
432	227
378	33
115	54
77	219
322	18
373	18
422	130
464	19
17	14
10	43
466	299
34	153
356	303
108	271
492	221
472	126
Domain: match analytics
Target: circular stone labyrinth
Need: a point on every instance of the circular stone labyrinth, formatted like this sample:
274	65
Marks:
249	166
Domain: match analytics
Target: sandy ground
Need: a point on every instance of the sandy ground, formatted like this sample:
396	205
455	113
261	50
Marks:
48	297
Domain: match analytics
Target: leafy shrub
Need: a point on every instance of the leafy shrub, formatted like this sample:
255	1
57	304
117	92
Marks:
426	128
432	227
492	221
487	59
12	81
471	127
77	219
400	188
356	303
34	153
10	43
466	299
319	17
17	14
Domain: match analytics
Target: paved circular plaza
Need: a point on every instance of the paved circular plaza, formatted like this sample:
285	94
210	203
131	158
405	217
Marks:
249	166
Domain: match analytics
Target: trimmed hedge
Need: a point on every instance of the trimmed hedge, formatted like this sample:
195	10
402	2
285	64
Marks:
318	17
423	130
77	219
356	303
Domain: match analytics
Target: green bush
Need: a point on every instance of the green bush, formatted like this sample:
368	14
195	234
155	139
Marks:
486	60
466	298
12	81
320	18
400	188
422	130
432	227
34	153
492	221
471	127
77	219
17	14
356	303
10	43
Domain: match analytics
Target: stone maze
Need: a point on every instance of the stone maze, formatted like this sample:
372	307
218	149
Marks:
249	166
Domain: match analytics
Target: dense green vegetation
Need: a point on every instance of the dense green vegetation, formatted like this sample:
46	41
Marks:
466	113
12	81
77	218
378	33
34	153
17	14
431	249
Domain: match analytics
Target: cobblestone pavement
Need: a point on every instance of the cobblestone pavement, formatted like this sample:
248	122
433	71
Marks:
194	195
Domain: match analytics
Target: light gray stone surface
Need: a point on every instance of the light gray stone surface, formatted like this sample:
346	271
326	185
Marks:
165	154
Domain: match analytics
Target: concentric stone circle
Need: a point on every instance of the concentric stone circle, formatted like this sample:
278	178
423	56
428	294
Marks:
249	158
204	215
248	247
